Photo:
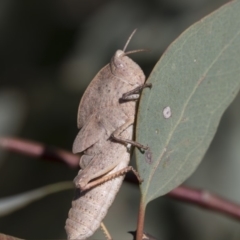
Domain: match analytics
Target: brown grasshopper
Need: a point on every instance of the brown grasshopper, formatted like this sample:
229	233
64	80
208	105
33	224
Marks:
106	116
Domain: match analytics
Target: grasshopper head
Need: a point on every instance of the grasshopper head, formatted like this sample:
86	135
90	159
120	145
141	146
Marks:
124	68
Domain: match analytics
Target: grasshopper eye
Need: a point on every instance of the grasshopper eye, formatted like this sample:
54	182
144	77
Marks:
118	61
120	65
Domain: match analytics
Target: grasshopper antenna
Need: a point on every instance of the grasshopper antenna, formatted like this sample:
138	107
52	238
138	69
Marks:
133	51
138	50
129	39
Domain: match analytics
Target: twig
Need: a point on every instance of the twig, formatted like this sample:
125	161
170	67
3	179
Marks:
8	237
197	197
206	200
38	150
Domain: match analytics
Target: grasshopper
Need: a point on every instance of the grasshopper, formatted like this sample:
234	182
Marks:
106	116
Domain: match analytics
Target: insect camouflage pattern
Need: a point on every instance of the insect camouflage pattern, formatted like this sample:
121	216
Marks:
103	118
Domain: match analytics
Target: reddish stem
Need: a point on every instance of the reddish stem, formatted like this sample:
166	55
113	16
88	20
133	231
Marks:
201	198
38	150
206	200
8	237
141	218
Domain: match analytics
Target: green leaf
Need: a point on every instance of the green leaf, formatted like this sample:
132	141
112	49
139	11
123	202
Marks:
195	81
16	202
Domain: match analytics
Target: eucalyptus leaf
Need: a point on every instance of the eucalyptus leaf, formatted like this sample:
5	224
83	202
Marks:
193	83
13	203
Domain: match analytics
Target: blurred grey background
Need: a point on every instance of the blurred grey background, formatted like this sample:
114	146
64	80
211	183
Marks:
50	51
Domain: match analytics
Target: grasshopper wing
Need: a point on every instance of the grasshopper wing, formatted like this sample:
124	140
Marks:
91	132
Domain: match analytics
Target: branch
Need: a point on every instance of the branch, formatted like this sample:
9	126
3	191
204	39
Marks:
197	197
8	237
38	150
207	200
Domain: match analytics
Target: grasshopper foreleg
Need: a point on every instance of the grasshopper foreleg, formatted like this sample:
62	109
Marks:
116	135
134	94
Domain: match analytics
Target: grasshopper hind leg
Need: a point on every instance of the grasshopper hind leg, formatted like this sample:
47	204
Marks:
106	232
85	160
